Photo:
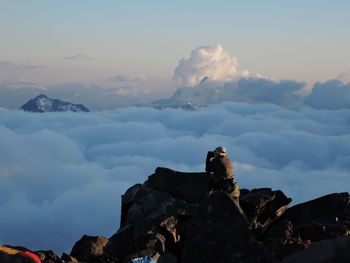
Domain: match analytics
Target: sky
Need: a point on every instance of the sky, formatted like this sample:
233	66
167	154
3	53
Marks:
90	41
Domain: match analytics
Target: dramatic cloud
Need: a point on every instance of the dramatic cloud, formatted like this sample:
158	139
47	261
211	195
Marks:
212	75
62	174
331	95
211	62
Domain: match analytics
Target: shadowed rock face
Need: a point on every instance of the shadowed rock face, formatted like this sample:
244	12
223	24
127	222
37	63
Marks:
173	214
325	251
262	206
175	217
221	229
326	217
88	247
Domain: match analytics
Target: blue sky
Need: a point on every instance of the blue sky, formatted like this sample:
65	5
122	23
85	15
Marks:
303	40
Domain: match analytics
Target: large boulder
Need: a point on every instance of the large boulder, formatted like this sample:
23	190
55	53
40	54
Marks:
298	227
127	201
88	247
124	246
219	229
326	251
152	227
322	218
262	206
191	187
280	242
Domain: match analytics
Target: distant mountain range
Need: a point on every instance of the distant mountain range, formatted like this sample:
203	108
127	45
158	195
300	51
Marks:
192	98
43	103
253	90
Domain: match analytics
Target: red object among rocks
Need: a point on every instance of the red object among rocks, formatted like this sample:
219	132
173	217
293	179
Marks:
31	255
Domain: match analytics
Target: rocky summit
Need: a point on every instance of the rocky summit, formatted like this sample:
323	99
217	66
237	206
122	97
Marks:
43	103
174	217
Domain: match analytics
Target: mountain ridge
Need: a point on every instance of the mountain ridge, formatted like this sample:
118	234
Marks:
42	103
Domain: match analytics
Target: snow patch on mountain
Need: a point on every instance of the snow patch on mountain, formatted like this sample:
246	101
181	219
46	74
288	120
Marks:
43	103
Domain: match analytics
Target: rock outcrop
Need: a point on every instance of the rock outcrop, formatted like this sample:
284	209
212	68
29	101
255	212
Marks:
88	248
173	217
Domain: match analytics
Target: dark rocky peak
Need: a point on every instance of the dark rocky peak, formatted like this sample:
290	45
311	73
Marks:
43	103
203	80
176	217
41	96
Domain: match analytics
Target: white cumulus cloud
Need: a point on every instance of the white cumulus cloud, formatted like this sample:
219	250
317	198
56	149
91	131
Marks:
212	62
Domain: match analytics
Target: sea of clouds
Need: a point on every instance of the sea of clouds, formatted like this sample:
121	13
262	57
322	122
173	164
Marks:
62	174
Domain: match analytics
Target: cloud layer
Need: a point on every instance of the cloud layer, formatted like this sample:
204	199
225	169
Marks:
211	62
285	93
330	95
62	174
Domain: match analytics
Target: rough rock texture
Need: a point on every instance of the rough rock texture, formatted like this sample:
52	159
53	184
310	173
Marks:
88	247
47	256
262	206
220	228
175	217
326	251
323	218
172	218
67	258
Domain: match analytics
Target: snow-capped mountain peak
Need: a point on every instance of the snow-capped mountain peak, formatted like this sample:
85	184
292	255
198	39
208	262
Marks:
43	103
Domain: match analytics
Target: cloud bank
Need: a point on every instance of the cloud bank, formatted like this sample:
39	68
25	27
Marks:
211	62
62	174
285	93
330	95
